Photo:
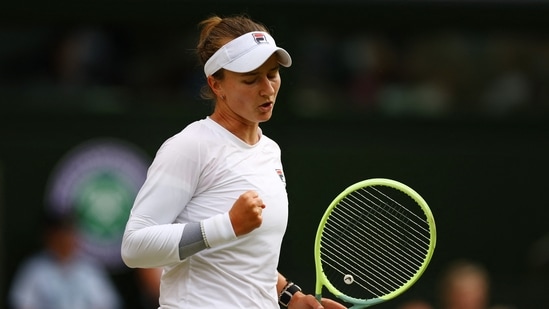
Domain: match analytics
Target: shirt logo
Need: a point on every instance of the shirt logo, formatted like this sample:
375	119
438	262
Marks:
281	175
260	38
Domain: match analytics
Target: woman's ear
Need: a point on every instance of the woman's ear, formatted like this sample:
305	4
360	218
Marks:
215	86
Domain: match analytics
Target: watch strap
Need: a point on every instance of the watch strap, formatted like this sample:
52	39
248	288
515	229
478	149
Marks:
286	295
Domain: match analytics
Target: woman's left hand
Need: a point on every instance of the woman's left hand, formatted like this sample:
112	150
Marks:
303	301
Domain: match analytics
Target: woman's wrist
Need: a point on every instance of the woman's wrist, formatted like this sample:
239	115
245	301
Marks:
217	230
289	290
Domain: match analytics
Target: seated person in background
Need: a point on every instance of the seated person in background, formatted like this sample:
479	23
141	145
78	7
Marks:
58	277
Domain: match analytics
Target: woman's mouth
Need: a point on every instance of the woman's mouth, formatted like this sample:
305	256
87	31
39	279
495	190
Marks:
266	106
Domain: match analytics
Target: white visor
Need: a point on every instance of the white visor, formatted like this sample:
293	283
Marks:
246	53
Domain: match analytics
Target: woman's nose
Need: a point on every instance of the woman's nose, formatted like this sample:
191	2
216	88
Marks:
267	87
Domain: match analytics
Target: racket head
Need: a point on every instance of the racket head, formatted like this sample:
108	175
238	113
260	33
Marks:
373	242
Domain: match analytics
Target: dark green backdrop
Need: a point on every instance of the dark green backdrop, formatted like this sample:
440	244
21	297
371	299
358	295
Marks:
484	176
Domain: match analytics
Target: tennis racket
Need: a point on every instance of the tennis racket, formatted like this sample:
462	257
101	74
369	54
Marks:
374	241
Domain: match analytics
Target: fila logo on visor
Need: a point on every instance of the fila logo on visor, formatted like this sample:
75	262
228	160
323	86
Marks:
260	38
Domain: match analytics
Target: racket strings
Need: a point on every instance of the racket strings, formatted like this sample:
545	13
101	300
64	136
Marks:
394	249
404	223
417	219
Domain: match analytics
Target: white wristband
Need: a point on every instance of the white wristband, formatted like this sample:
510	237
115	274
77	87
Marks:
218	230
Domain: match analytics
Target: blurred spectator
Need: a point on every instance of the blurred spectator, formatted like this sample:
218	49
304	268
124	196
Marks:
149	285
86	56
57	277
465	285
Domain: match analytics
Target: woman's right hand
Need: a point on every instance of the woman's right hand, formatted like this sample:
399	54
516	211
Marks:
246	213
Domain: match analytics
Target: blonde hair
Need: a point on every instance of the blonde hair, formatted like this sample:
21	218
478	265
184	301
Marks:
216	32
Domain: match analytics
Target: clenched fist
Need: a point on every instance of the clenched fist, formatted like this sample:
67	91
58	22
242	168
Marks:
246	213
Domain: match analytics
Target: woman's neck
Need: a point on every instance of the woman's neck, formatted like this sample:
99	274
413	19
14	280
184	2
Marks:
247	132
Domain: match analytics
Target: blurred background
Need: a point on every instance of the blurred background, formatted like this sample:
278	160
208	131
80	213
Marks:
449	97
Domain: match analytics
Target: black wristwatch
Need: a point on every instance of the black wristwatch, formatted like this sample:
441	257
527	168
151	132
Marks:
287	292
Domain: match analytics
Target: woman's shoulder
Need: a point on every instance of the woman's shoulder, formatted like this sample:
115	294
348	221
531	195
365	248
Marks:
194	136
198	130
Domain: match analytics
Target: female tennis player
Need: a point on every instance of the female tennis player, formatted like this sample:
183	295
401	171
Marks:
213	209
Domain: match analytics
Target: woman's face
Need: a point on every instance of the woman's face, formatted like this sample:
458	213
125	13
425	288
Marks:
250	97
